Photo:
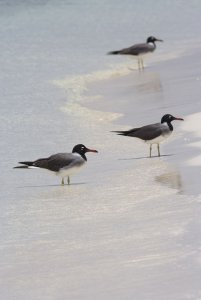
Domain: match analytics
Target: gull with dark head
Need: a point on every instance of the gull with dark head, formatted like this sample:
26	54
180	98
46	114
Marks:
62	164
153	133
139	50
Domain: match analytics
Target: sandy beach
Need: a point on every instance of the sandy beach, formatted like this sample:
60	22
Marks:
125	98
140	216
128	227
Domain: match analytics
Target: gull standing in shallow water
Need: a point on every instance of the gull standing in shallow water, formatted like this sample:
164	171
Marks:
153	133
62	164
139	50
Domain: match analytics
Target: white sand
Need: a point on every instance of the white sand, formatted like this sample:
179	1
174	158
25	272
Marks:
133	229
128	227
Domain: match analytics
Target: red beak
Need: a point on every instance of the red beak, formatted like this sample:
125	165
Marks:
91	150
179	119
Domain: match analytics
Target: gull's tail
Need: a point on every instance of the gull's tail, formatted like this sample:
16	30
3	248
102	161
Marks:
114	52
121	132
27	164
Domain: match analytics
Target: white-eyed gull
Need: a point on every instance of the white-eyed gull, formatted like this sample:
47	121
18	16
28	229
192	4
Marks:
153	133
139	50
62	164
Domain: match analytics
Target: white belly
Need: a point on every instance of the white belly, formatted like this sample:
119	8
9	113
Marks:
69	171
159	139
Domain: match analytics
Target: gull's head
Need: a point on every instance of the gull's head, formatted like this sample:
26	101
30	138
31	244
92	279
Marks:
82	149
152	39
169	118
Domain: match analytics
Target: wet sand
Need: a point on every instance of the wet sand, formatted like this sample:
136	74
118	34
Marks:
135	221
141	98
128	226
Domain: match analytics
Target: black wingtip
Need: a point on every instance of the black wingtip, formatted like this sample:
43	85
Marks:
113	52
21	167
119	132
26	163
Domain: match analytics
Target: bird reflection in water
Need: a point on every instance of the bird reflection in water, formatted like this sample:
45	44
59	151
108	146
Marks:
172	180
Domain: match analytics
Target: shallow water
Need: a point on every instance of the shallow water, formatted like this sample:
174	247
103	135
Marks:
117	232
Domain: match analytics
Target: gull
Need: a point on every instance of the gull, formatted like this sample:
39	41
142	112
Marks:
153	133
139	50
62	164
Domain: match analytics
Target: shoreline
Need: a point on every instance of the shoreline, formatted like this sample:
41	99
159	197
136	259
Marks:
138	94
127	227
130	99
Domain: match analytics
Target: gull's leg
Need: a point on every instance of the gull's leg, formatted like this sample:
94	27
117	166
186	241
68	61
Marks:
68	179
158	147
150	150
142	63
138	59
62	181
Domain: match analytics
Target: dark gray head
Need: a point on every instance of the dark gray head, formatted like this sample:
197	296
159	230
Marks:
82	149
169	118
152	39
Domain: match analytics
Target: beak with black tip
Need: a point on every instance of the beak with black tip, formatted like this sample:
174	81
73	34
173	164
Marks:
91	150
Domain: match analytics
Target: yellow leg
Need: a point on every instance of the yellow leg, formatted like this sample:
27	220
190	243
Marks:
139	67
158	147
142	63
68	179
62	181
150	150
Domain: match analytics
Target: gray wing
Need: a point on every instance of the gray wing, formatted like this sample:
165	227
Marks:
147	132
138	49
57	161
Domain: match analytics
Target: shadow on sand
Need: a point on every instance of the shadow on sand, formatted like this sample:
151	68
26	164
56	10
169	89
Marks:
144	157
51	185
